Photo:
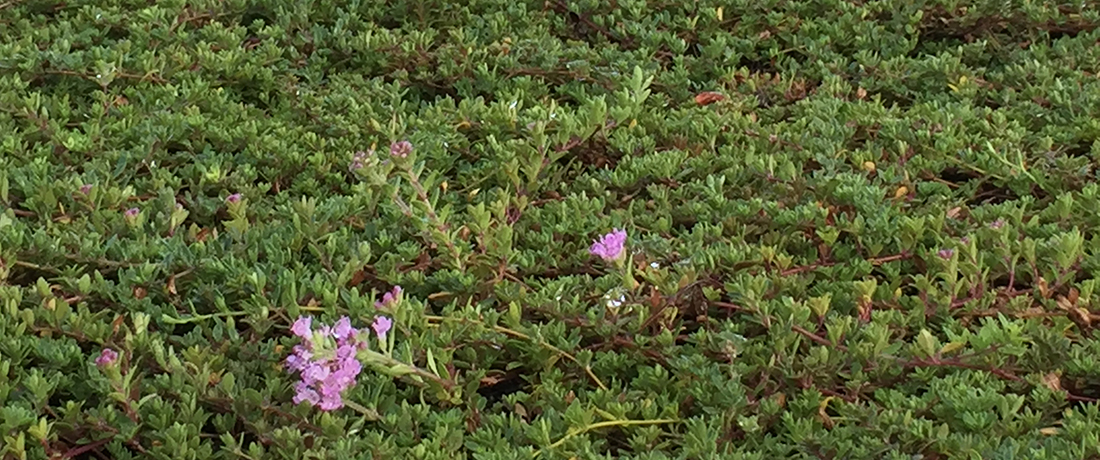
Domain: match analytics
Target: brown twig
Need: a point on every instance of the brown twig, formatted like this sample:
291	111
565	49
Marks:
588	22
935	362
817	338
72	453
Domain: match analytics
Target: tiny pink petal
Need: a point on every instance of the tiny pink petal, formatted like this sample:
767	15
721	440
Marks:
331	403
382	326
305	393
301	327
389	298
343	328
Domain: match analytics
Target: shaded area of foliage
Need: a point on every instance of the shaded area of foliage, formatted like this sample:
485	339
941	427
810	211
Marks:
872	237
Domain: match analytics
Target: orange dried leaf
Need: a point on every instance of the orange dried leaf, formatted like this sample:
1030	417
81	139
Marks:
1042	286
1053	381
708	97
358	278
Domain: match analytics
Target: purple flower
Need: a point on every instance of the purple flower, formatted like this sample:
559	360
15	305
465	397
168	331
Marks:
305	393
946	254
401	149
300	359
132	212
86	188
997	224
342	378
359	160
316	372
325	373
346	351
382	326
389	298
106	357
234	198
330	402
610	246
343	329
301	327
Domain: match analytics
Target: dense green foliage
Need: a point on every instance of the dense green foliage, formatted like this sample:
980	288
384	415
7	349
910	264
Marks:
855	229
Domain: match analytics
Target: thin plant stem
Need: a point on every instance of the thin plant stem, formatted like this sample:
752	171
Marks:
370	414
422	195
522	336
598	425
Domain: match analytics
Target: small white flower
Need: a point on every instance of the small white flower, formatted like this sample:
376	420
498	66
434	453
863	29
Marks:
655	265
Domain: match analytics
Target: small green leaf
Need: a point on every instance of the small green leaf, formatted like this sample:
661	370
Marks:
927	342
228	382
952	347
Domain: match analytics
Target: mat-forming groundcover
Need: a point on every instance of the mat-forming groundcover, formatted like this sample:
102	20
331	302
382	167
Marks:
554	229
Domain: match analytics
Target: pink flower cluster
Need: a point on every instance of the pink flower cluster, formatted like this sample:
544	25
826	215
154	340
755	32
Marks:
326	373
326	360
359	160
106	357
401	149
610	246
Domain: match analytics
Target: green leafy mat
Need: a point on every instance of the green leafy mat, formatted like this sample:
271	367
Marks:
853	230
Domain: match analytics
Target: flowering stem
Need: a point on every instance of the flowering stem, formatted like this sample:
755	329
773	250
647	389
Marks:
522	336
628	275
398	368
573	433
422	195
370	414
197	317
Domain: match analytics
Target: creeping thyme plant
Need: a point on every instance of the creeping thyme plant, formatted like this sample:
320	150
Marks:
553	229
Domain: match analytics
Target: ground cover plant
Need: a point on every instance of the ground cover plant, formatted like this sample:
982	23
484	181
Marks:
553	229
